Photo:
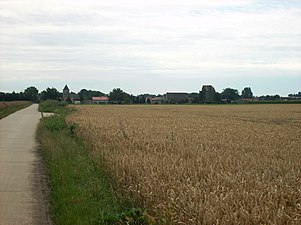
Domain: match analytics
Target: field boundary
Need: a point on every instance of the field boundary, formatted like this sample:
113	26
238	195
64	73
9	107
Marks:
81	192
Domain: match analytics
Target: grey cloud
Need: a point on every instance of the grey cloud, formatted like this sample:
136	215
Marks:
166	42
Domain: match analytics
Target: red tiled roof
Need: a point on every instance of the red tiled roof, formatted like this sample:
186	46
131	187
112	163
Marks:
102	98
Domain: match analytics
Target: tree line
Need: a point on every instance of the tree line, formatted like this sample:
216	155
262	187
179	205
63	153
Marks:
29	94
119	96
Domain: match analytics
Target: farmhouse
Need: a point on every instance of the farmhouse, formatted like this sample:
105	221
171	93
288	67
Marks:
100	100
176	97
154	100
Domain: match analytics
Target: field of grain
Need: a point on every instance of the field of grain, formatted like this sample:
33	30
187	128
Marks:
235	164
9	107
6	104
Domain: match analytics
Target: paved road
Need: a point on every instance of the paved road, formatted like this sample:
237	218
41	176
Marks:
22	185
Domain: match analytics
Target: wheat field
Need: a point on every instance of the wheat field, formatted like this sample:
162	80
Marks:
223	164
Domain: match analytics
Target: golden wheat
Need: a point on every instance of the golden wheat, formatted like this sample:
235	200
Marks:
202	164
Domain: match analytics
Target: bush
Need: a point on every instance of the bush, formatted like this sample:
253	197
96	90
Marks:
55	123
51	106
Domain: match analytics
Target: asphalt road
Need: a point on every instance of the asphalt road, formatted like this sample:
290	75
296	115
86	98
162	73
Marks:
22	182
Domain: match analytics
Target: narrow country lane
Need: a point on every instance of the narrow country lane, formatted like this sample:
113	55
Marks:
22	184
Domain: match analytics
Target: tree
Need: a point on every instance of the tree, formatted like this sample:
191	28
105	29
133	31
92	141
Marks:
194	97
295	95
134	99
15	96
201	96
10	96
230	94
31	94
85	94
270	97
119	96
247	93
217	97
50	93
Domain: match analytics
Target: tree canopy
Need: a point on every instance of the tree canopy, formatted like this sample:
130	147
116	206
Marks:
31	93
230	94
247	93
85	94
295	95
119	96
50	93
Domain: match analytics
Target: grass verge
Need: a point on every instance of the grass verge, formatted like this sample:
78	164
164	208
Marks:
11	108
80	191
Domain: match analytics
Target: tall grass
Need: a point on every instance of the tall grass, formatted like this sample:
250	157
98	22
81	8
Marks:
202	164
53	106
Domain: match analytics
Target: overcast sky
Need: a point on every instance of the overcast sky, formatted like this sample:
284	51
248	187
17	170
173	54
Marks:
151	46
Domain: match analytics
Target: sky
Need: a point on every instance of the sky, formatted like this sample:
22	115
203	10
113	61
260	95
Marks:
156	46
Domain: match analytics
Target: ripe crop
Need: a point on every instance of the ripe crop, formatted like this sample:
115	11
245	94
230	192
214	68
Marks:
202	164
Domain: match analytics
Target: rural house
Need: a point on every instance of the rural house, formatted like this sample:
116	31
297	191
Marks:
176	97
100	100
154	100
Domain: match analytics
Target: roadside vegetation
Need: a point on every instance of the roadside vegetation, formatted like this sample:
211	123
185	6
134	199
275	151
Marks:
9	107
205	164
81	191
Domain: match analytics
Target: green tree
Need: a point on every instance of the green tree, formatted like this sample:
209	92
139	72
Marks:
50	93
295	95
230	94
85	94
247	93
217	97
194	97
201	96
31	93
119	96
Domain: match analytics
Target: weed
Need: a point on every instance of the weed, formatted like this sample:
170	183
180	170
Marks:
55	123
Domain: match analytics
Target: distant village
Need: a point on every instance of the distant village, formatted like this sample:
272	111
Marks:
208	92
207	95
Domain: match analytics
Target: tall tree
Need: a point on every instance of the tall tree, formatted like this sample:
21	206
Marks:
119	96
50	93
194	97
85	94
31	94
295	95
217	97
230	94
247	93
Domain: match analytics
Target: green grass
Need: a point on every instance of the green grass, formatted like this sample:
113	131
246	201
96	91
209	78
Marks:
53	106
11	109
81	192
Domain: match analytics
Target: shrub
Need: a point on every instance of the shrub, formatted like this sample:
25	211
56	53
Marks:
51	106
55	123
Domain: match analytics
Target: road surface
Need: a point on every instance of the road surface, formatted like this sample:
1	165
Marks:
22	182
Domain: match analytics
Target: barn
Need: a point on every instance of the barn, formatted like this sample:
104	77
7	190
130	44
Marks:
176	97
